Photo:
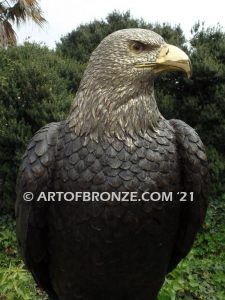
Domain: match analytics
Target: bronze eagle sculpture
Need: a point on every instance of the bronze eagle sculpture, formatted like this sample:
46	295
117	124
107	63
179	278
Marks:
114	140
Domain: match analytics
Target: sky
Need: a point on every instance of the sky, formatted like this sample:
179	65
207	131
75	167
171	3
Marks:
64	16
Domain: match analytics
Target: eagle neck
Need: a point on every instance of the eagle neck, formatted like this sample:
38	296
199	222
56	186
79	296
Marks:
108	113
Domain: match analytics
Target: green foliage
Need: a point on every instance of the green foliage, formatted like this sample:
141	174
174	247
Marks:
202	104
36	87
15	282
201	274
200	101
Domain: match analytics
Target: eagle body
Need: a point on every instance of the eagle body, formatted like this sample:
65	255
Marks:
118	250
113	241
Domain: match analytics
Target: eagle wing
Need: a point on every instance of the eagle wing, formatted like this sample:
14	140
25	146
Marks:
194	174
31	216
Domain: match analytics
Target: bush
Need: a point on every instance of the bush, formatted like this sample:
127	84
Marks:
36	87
15	281
201	274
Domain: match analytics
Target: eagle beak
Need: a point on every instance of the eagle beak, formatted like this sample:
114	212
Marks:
172	58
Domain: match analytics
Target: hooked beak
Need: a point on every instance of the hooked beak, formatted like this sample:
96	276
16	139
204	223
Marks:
170	58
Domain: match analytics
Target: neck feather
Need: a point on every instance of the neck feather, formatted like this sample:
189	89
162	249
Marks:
114	112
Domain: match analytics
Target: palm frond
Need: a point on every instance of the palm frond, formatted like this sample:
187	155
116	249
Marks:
24	10
18	11
7	34
17	14
3	10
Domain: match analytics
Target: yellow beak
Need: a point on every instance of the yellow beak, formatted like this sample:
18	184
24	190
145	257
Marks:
170	58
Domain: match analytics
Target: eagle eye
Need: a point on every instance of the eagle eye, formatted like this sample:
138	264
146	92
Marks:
137	47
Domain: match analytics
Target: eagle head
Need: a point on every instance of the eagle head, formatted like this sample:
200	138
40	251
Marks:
119	82
134	55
